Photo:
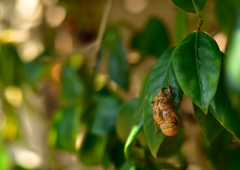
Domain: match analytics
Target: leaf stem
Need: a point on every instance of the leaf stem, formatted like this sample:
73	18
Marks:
200	20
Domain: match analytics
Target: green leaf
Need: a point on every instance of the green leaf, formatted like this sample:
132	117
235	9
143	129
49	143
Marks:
11	67
125	119
223	111
153	39
197	64
72	87
93	150
118	68
171	145
112	51
5	159
181	25
127	166
233	58
138	122
161	75
210	127
193	6
106	114
34	70
224	9
132	135
66	127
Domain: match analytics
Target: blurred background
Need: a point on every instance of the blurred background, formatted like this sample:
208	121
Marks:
67	104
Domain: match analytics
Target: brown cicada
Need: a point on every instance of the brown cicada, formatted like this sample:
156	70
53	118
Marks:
163	113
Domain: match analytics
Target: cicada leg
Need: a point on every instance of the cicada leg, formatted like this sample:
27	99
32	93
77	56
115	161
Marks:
177	101
169	93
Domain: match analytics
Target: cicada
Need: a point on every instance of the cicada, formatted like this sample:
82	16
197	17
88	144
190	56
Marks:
164	114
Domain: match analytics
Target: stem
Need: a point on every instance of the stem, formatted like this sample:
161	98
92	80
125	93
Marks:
103	24
200	22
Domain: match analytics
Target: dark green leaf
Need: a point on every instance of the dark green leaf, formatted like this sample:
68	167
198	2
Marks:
93	151
66	127
106	114
153	39
161	75
224	9
72	87
171	145
197	64
113	51
223	111
125	119
118	68
181	25
11	67
210	127
194	6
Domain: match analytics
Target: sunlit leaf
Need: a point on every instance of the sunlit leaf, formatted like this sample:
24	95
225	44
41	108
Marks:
138	122
93	150
153	39
194	6
125	119
161	75
66	127
210	127
222	110
106	114
5	159
233	58
181	25
197	64
72	87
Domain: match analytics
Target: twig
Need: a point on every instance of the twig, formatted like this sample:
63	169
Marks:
96	44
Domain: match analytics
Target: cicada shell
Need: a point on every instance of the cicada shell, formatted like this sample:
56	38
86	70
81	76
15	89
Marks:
164	114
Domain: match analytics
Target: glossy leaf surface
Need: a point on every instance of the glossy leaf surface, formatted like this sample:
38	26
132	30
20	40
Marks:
194	6
161	75
197	64
125	119
106	113
210	127
171	145
153	39
223	111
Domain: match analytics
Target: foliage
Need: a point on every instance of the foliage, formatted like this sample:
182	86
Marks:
89	109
